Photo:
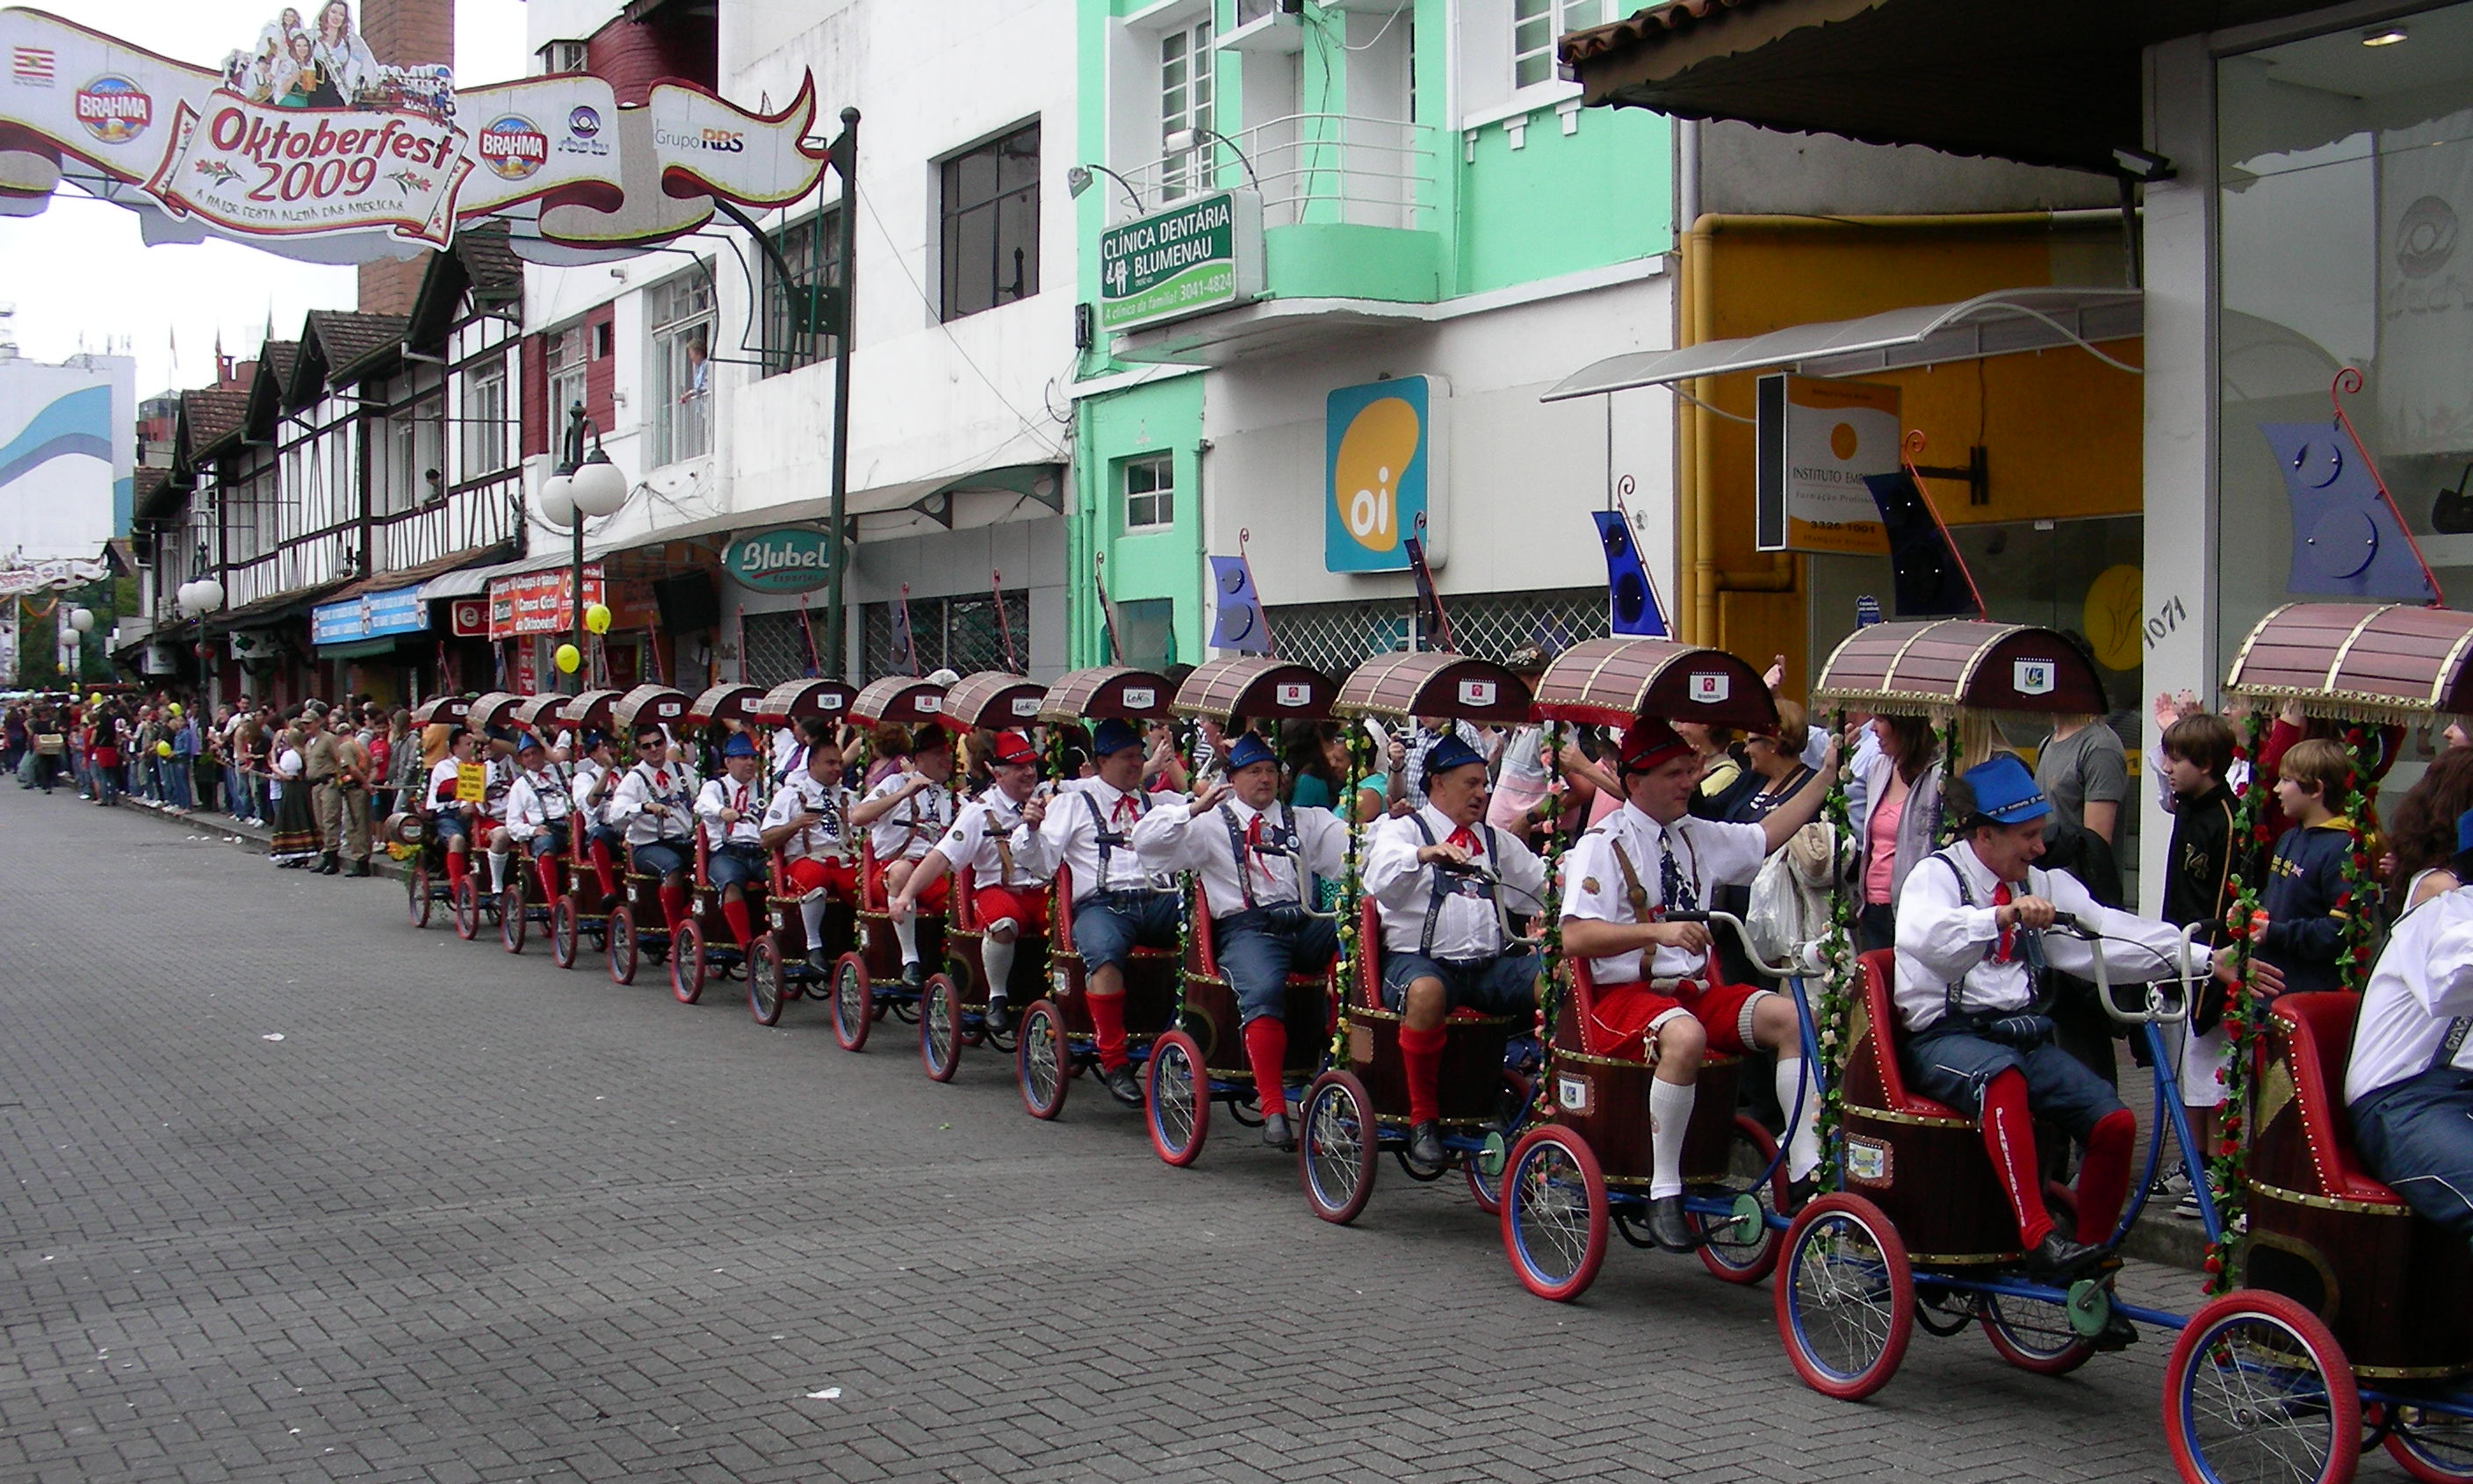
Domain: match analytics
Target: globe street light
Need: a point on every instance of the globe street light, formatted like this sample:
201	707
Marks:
585	483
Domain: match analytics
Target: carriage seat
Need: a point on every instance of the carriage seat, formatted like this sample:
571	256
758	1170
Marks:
2317	1030
1880	1066
1368	969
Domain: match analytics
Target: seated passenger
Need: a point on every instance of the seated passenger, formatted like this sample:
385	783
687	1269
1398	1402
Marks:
997	835
1970	942
596	779
2410	1084
905	814
538	806
1256	857
1656	986
1443	943
734	834
451	818
1118	904
808	822
652	805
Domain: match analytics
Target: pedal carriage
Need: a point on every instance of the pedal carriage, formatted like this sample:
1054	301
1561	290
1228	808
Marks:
521	905
1585	1164
1351	1113
487	713
2351	1325
707	943
1919	1229
426	886
582	908
867	978
1203	1059
953	1002
626	937
1054	1039
777	966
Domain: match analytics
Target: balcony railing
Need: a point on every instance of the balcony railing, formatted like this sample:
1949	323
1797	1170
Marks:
1308	167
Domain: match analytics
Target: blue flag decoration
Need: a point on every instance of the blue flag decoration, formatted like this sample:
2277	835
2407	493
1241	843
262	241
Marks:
1240	625
1927	579
1632	599
2347	539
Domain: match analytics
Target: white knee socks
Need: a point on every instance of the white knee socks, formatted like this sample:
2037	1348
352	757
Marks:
1803	1136
497	871
995	956
906	928
1669	1118
811	911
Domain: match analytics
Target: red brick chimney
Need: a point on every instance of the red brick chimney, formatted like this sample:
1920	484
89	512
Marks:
403	34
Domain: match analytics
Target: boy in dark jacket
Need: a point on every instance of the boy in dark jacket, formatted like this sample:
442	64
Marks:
2305	931
2198	754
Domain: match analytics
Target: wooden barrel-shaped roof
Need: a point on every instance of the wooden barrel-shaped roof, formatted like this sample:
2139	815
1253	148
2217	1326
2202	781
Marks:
2359	661
994	699
903	699
591	708
1255	687
490	708
536	712
798	700
724	703
649	704
1951	664
442	711
1107	690
1429	683
1611	680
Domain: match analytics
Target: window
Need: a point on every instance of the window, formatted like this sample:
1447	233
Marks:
961	634
1535	24
1150	492
1185	104
991	224
484	418
813	250
681	312
564	354
562	56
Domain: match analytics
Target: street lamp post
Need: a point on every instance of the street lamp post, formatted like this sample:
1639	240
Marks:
585	483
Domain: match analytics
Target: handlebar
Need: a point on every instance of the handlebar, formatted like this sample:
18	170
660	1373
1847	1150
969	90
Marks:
2160	1008
1742	937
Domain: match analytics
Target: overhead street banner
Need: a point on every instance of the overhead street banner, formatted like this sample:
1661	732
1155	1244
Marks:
303	144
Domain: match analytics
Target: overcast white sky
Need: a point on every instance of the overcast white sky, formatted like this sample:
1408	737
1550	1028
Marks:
83	280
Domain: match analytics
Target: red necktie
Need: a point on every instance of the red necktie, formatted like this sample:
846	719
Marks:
661	781
1465	840
1125	808
2008	935
1254	847
738	800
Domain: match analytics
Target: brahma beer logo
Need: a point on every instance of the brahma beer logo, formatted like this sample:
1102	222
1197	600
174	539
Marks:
513	147
113	108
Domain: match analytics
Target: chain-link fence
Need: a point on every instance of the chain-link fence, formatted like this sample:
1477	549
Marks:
960	634
1335	637
783	647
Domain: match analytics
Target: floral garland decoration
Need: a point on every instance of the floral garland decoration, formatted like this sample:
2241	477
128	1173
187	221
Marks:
1052	749
1837	970
2360	895
1550	948
1189	901
2248	843
1361	758
1952	763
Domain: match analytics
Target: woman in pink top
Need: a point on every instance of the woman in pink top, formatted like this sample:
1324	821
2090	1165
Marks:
1902	808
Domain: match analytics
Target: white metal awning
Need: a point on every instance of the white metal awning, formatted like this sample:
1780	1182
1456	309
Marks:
1996	324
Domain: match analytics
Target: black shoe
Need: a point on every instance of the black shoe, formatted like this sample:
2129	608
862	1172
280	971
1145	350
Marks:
329	864
2118	1333
996	1019
1123	1086
819	964
1800	1193
2057	1259
1667	1227
360	868
1277	1135
913	976
1426	1146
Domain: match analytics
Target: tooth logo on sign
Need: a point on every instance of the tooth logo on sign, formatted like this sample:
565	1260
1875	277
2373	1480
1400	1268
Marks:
1477	692
1293	695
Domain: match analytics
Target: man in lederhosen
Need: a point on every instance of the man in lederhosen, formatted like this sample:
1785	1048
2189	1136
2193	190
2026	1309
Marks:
1256	859
905	815
732	815
808	822
2410	1086
540	803
997	835
653	805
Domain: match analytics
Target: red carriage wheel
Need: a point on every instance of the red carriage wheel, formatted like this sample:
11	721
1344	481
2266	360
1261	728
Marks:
1337	1142
687	962
1177	1106
1043	1060
621	937
765	980
416	895
512	926
1846	1303
1553	1215
463	900
2257	1389
1752	1152
563	933
854	1007
940	1027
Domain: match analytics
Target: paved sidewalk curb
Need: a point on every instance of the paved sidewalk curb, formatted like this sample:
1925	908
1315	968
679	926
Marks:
255	837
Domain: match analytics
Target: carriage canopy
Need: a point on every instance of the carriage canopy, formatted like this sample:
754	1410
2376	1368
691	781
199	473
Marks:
1609	682
1105	692
903	699
725	704
2359	661
534	713
1405	686
794	701
442	711
1246	686
649	704
1952	664
992	698
491	708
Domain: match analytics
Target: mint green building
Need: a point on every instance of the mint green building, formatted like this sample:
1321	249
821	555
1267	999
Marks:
1327	262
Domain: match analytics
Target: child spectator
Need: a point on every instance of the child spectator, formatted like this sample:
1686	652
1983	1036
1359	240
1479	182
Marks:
2305	933
2197	751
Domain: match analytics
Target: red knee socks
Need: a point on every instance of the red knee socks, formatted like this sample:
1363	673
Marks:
1107	1026
674	906
605	867
2010	1138
1266	1048
736	913
454	868
2104	1177
547	865
1421	1056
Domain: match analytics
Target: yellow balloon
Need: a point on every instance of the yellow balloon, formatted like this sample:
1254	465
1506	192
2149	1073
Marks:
567	658
596	617
162	749
95	700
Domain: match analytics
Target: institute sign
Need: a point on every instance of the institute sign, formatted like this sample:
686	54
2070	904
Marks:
789	559
1200	255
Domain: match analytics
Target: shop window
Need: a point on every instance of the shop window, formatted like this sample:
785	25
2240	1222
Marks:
959	634
1185	84
681	314
991	224
1150	492
813	250
1536	25
484	441
565	352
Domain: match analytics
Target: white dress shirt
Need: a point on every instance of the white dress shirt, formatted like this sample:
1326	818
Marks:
443	781
973	842
1241	866
1466	924
728	793
1942	940
500	777
2423	981
831	837
588	792
910	829
536	801
1076	815
670	785
1707	856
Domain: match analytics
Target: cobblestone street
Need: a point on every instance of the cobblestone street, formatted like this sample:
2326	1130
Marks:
300	1193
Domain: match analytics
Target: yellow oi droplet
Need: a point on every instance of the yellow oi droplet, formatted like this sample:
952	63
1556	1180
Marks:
1374	452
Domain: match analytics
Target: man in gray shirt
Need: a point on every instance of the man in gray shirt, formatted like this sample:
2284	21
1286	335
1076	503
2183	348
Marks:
2082	769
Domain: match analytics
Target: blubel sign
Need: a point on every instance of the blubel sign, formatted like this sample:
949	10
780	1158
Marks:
1203	254
785	560
1382	456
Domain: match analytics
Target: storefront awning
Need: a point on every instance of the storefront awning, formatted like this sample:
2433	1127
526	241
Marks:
1996	324
2045	84
1042	482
